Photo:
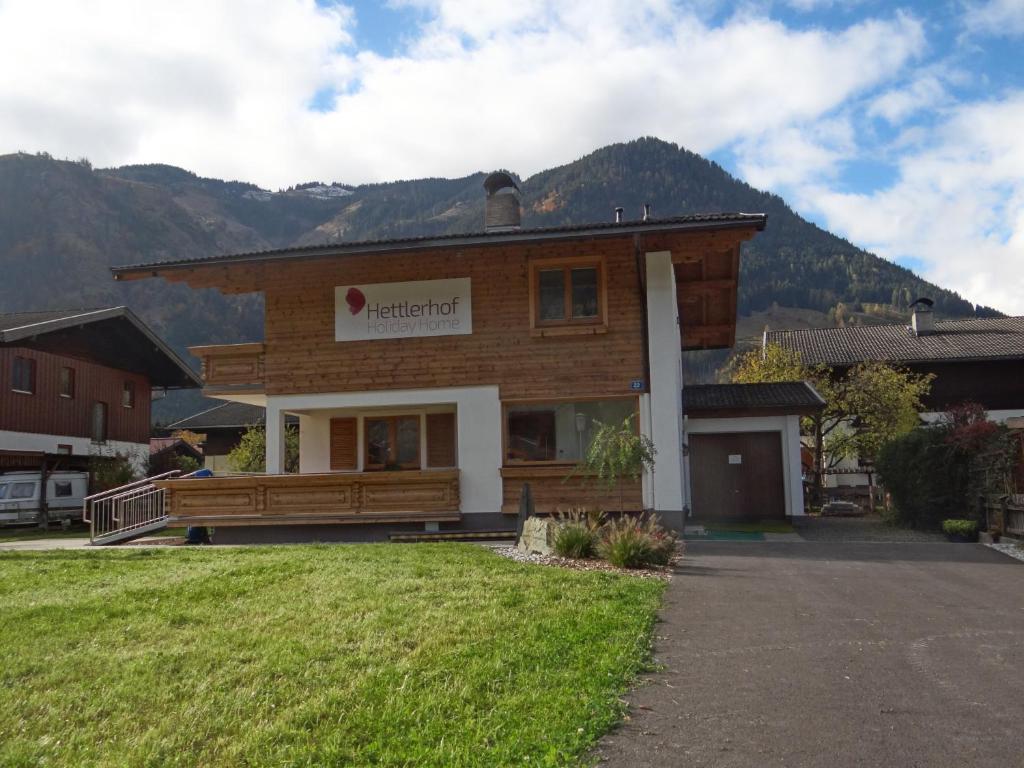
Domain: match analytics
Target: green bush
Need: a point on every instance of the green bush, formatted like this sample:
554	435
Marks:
578	532
630	542
575	540
956	527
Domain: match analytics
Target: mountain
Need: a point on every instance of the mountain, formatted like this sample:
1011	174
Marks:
63	224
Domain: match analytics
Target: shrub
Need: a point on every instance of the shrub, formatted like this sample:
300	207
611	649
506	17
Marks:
966	528
630	542
578	532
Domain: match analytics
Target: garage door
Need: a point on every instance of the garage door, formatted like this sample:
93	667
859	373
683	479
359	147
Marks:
737	476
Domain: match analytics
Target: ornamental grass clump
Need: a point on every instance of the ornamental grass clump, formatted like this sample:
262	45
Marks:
632	542
578	533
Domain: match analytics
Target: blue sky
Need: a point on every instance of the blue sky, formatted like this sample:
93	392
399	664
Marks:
899	125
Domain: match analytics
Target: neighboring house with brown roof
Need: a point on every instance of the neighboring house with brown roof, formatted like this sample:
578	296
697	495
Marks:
979	360
221	428
75	384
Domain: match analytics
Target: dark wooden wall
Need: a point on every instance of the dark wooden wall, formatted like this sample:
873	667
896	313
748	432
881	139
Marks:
46	412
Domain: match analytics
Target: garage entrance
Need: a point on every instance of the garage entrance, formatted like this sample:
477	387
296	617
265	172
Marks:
737	476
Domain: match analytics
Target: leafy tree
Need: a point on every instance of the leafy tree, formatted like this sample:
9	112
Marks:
616	453
872	404
250	455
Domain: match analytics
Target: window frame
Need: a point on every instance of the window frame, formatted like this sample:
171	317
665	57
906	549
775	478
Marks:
70	393
17	364
106	422
392	421
128	394
506	405
568	324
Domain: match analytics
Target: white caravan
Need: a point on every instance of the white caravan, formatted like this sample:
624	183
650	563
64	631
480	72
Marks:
20	498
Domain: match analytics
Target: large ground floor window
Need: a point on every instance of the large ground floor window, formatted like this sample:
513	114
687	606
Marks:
558	431
392	442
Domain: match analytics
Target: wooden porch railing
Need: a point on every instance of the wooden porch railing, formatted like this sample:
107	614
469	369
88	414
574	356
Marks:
231	367
357	497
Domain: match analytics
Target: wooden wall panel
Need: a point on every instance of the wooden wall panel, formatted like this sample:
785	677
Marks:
552	492
303	357
46	412
344	443
440	440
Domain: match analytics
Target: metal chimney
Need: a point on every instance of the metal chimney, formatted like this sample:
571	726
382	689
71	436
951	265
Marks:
501	207
922	321
618	215
647	211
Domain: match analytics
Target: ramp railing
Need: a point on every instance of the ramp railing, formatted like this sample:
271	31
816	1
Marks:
128	511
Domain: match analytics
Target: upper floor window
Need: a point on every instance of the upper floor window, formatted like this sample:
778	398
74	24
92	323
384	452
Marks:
23	375
128	394
568	293
99	422
67	382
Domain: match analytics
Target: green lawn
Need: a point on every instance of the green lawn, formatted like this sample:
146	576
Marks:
444	655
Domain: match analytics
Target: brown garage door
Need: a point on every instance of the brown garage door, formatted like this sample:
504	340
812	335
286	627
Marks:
737	476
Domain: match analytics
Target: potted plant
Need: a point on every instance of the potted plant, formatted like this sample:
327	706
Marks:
961	531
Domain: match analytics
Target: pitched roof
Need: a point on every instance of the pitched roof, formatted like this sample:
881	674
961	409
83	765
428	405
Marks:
228	415
701	221
112	336
786	397
953	340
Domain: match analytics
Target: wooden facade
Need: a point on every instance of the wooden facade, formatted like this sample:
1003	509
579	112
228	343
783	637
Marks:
553	492
300	355
336	498
47	411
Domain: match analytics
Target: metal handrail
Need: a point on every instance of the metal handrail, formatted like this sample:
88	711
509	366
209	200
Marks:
133	484
128	507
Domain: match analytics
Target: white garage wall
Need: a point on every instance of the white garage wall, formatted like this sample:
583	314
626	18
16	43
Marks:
788	429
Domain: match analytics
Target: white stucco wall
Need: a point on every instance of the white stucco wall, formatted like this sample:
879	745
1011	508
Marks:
137	453
788	429
668	494
478	426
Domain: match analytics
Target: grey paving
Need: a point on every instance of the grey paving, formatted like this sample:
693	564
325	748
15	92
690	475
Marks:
834	654
64	542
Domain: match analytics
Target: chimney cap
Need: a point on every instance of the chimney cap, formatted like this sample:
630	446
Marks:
498	181
925	303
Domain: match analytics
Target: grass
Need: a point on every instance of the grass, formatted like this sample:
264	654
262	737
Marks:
433	655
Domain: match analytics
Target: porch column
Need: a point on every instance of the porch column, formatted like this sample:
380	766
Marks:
666	384
275	439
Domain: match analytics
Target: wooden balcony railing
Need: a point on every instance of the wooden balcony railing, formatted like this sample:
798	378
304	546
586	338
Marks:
231	367
343	497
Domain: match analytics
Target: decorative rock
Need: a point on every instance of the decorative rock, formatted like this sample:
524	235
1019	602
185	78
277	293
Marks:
538	535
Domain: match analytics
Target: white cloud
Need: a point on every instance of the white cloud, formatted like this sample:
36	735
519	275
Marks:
996	17
957	207
796	155
223	88
896	105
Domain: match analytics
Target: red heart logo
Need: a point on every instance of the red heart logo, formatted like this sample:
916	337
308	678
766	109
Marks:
356	300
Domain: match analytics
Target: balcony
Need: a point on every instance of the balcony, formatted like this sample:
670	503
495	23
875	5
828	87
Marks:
231	368
338	498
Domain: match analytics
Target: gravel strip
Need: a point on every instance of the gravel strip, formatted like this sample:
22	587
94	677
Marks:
655	572
1014	550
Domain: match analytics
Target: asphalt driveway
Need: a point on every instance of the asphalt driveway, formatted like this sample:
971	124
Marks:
834	654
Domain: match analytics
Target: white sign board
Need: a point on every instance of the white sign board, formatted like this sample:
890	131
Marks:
403	310
735	458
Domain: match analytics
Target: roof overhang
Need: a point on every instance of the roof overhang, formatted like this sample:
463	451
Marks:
754	222
113	337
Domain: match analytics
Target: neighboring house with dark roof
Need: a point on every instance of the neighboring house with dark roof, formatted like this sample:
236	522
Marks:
221	428
979	359
75	384
166	454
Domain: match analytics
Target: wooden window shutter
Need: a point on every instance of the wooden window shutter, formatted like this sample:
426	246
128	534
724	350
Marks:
344	444
440	439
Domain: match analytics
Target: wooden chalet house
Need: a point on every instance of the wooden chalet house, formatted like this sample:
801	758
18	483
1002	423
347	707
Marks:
433	376
76	384
979	360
